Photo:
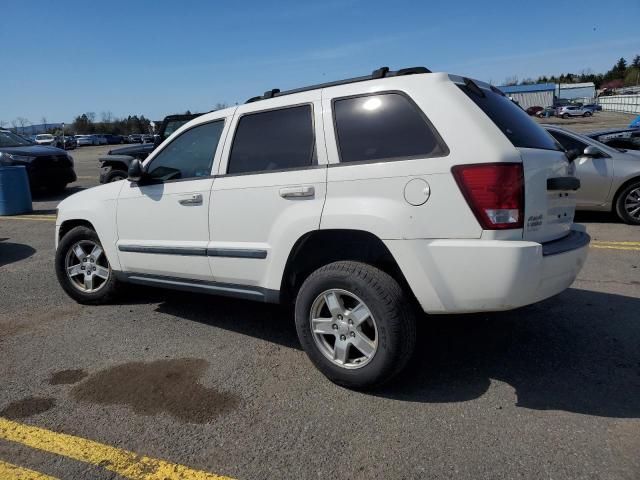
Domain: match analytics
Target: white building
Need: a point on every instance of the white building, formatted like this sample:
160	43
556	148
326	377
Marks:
570	91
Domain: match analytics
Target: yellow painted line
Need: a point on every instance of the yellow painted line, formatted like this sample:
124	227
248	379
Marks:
14	472
125	463
614	247
603	242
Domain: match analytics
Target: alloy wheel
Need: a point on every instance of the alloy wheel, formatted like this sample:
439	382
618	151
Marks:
87	267
343	328
632	203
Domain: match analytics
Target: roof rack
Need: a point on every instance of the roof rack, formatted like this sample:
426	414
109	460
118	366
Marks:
381	72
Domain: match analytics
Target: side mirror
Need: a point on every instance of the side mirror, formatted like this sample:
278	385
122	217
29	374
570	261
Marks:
136	171
593	152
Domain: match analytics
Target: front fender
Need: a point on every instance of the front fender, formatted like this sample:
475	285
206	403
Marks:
97	206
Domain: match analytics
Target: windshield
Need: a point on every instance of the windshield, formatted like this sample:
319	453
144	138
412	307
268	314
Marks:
514	122
8	139
44	137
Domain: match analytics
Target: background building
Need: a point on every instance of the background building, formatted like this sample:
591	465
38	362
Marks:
571	91
540	94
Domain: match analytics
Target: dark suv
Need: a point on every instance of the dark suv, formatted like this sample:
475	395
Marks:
47	167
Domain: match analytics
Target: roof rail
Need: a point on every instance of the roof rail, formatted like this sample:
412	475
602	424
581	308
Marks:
381	72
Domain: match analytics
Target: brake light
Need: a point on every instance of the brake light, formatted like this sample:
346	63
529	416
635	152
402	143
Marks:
495	193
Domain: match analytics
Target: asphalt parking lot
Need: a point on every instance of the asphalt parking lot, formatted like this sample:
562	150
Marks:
164	382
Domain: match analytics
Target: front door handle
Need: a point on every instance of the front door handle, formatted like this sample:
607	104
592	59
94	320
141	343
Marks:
195	199
300	191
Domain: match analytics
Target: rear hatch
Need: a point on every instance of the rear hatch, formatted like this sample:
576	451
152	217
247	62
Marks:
549	201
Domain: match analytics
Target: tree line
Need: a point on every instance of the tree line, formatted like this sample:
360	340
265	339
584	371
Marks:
622	74
86	123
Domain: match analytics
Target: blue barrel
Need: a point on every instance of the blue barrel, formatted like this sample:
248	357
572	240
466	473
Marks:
15	195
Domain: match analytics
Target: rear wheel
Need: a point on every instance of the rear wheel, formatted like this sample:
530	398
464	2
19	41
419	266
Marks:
586	114
565	115
355	323
83	269
628	204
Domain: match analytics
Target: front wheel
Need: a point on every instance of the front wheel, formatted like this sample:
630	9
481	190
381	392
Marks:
565	115
587	114
628	204
115	176
355	323
83	269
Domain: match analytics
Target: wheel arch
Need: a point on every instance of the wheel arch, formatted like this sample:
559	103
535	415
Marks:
321	247
68	225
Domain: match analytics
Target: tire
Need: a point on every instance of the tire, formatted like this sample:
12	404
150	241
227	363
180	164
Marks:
586	114
115	175
105	288
626	203
565	115
390	326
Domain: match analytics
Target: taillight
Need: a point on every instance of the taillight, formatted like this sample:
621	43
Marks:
495	193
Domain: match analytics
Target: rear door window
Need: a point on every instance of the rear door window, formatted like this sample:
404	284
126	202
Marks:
515	123
386	126
273	140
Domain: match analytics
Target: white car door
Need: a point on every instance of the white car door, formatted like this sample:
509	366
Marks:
163	221
269	190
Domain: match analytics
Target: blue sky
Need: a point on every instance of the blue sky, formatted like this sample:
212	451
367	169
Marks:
59	59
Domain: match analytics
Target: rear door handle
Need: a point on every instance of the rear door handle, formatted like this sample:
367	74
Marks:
195	199
299	191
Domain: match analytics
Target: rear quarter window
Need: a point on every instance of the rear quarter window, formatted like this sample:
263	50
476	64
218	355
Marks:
384	126
513	122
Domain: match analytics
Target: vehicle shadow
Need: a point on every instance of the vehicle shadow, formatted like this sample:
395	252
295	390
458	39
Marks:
577	352
272	323
13	252
45	196
597	217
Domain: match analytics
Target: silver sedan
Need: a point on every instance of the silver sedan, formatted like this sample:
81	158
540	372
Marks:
609	177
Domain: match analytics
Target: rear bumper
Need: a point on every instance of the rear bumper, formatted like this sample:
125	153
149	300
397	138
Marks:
462	276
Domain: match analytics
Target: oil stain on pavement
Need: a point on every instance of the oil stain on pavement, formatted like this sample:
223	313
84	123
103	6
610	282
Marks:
67	377
27	407
151	388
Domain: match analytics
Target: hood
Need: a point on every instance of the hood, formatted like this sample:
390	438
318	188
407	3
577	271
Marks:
34	150
133	149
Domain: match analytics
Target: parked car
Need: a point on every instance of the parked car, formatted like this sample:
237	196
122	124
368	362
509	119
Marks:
147	138
47	167
102	139
546	112
45	139
572	111
447	210
534	110
135	138
86	140
114	139
68	143
625	138
609	177
593	107
114	165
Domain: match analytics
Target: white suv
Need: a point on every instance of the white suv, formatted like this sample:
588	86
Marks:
356	200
